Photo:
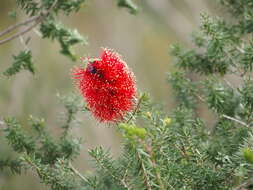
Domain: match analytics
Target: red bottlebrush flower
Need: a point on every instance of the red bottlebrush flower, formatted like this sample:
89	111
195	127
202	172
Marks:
107	85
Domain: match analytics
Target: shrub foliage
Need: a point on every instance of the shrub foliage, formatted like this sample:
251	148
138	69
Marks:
176	150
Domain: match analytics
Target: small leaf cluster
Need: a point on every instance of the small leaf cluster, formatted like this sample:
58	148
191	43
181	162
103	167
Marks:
129	4
222	47
132	131
21	61
15	166
38	150
58	176
67	38
185	90
32	7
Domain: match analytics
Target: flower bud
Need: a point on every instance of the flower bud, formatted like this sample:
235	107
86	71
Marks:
248	155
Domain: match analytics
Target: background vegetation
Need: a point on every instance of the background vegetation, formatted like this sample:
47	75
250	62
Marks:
143	40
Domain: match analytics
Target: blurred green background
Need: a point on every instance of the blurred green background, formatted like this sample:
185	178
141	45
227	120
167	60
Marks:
143	41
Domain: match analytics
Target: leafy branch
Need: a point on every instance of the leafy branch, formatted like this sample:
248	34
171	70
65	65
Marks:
36	19
244	185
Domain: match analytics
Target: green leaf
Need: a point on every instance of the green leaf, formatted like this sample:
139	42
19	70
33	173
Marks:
133	9
17	138
30	7
66	37
22	61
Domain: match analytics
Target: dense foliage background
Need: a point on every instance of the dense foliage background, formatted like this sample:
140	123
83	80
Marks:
201	139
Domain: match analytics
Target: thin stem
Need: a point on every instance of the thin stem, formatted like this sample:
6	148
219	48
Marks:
37	20
154	165
40	173
244	185
13	27
228	83
240	50
23	42
37	32
230	57
124	178
19	33
158	175
78	173
67	126
146	179
200	98
235	120
33	165
136	109
1	122
122	181
125	184
182	150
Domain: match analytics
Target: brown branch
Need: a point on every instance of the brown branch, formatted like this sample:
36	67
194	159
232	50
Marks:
19	33
13	27
38	19
78	173
235	120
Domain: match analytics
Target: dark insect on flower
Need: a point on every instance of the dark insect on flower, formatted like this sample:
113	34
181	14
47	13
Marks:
91	69
107	85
